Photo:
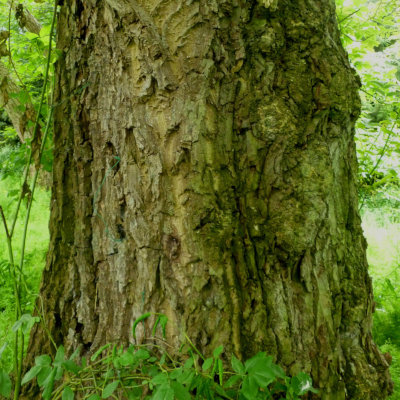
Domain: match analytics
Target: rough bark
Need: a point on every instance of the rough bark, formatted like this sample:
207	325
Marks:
205	168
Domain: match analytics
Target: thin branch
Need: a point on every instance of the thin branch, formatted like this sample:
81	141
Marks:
3	217
349	15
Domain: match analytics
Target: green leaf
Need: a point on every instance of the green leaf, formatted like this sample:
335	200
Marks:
94	397
187	377
176	373
70	366
75	353
153	332
160	379
31	35
59	372
218	351
181	393
163	392
68	394
220	371
31	374
249	388
141	355
44	374
25	323
137	321
232	381
163	323
237	365
5	384
126	359
109	389
188	363
49	385
162	359
135	394
59	358
43	360
302	383
207	364
261	370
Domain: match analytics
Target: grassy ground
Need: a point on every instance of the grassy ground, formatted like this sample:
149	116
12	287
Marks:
382	230
36	248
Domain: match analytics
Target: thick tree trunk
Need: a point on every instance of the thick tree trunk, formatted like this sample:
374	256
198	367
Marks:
205	168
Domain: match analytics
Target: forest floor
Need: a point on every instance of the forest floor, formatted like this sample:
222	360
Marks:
381	226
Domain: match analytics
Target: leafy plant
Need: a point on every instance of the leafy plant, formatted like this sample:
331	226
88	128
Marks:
148	371
370	32
36	149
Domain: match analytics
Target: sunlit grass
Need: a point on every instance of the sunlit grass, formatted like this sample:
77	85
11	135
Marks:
382	230
383	235
35	254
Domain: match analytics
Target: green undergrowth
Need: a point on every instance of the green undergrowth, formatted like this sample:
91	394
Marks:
149	372
381	223
35	255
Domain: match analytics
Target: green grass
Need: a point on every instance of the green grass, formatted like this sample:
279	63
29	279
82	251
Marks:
382	230
35	254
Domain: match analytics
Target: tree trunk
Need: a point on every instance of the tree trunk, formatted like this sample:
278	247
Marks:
205	168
